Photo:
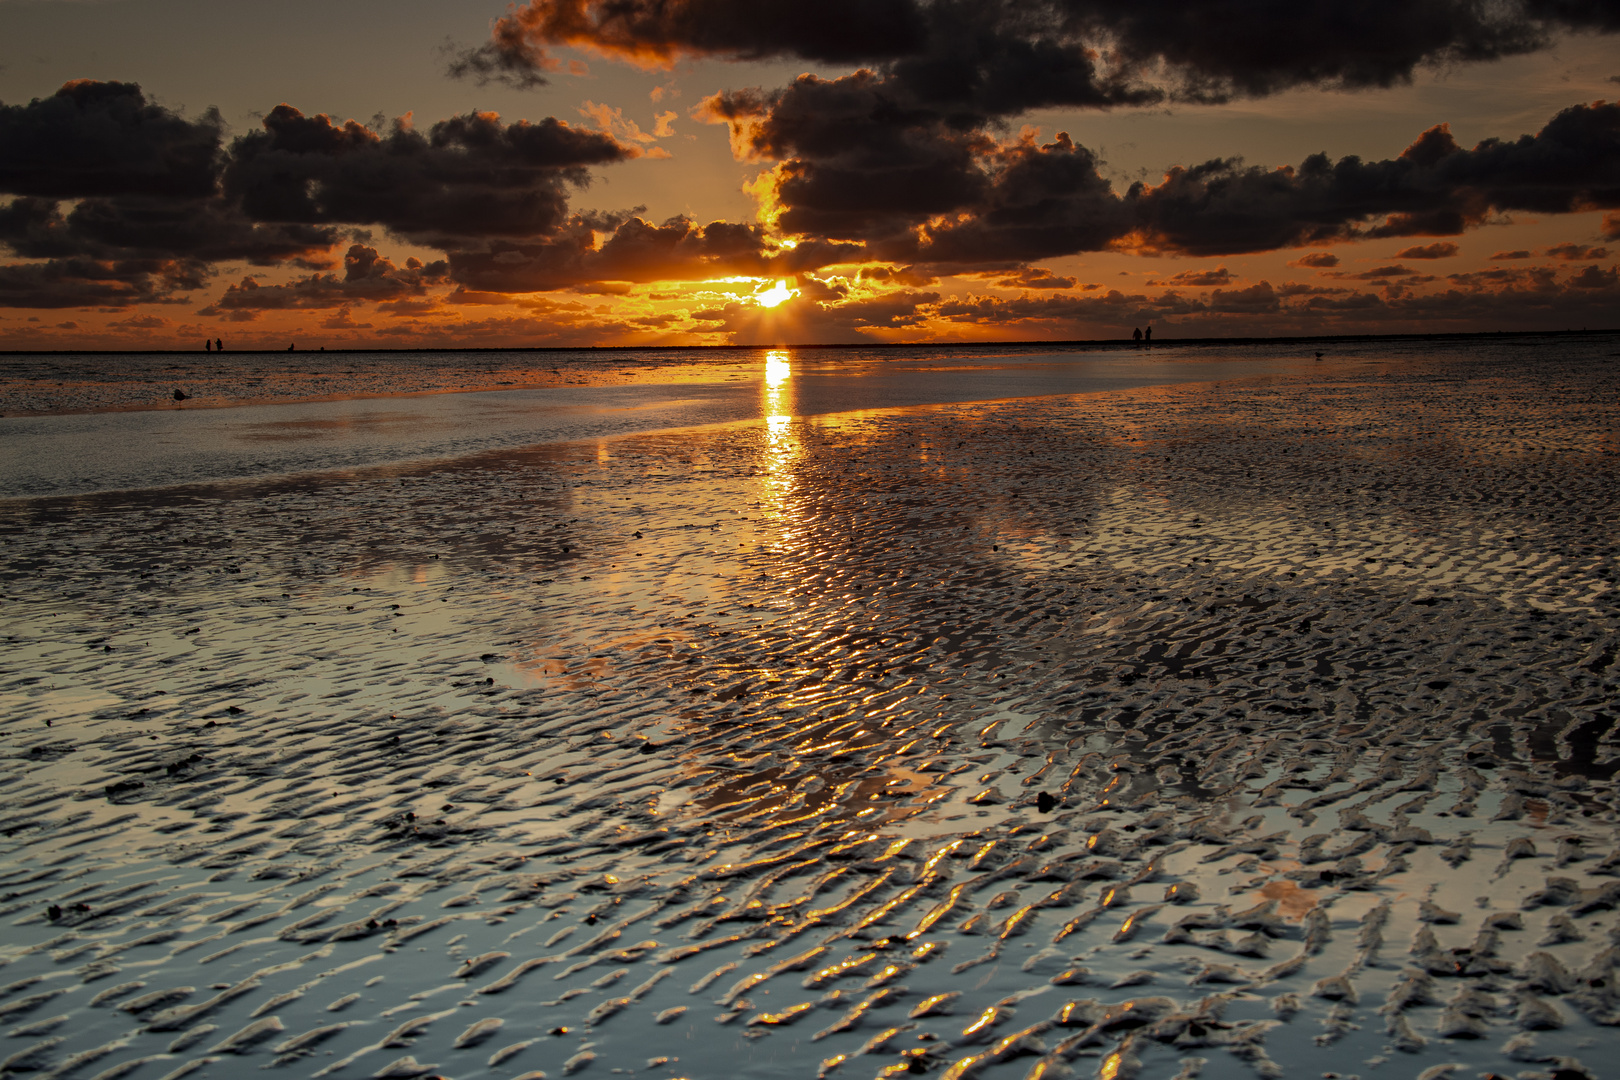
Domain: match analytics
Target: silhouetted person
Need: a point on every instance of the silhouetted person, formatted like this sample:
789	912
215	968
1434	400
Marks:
219	345
208	346
181	395
1148	337
1137	334
289	348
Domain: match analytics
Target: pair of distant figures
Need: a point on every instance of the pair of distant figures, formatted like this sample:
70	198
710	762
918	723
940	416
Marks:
1139	336
212	346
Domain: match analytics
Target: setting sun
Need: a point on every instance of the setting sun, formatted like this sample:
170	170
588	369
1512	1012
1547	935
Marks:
775	294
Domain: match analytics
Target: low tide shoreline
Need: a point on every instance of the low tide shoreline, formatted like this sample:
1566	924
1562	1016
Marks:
1221	731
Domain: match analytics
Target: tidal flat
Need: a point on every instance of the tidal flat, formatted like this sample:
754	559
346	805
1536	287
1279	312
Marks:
1254	726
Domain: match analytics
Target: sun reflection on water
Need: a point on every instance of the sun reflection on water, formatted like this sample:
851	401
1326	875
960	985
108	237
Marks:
778	405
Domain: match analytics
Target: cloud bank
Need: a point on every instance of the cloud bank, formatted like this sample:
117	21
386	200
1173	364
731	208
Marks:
873	185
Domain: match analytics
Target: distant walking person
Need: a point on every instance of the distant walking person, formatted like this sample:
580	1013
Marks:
289	348
1148	337
1137	334
219	345
208	346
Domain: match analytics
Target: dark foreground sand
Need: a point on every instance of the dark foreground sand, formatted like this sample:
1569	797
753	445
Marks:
1260	728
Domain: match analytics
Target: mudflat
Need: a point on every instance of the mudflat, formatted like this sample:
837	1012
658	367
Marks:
1260	726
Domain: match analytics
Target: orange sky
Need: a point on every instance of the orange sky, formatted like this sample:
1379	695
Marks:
613	261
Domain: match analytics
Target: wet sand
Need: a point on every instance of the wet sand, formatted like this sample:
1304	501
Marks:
1254	727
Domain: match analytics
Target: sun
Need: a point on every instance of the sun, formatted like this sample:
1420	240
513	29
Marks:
775	294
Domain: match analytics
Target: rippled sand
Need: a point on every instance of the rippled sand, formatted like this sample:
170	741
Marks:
1257	728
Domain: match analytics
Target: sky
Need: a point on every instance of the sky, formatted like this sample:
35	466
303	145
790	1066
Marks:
425	173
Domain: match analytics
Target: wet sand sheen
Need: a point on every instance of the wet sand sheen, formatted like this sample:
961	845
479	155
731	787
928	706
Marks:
1200	730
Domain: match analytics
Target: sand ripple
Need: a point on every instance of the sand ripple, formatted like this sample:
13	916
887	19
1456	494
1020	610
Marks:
1261	727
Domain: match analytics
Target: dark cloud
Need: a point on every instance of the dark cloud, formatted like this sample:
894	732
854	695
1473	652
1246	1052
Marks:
1576	252
1198	278
636	251
1377	273
1442	249
1038	202
1595	277
900	156
657	33
367	276
123	201
1260	298
1065	315
1035	277
104	178
104	138
125	227
1002	57
84	282
856	166
901	275
118	201
1299	288
1505	255
467	179
1434	188
1531	296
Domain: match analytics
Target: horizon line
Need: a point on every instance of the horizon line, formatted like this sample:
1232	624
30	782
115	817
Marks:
1092	343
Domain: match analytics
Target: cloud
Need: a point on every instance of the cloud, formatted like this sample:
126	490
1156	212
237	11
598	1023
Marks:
611	120
1255	299
1377	273
1197	278
1438	250
366	277
104	138
467	179
100	173
653	35
142	322
1576	252
1531	296
1002	57
906	166
821	314
917	185
1035	277
634	250
343	319
1435	187
1595	277
85	282
1505	255
142	227
904	275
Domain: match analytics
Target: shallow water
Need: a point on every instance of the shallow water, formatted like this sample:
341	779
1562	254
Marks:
754	720
280	432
